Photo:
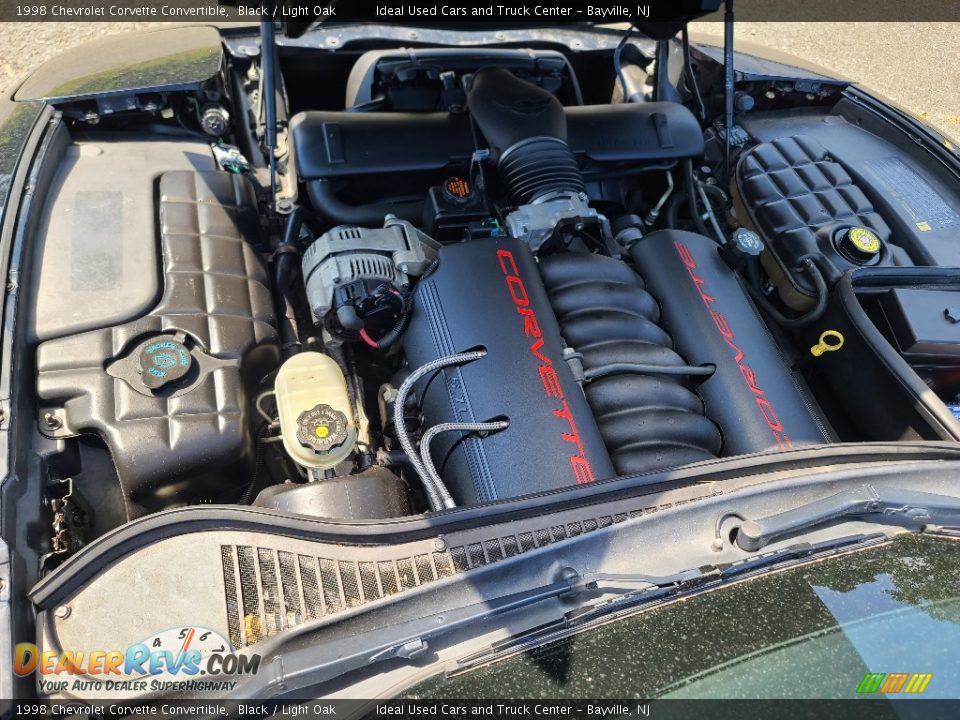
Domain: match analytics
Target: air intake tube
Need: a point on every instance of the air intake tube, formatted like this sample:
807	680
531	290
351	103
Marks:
527	131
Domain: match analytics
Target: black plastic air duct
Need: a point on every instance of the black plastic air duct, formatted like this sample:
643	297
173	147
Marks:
526	129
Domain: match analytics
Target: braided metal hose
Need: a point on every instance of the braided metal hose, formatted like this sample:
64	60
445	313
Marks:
437	494
429	435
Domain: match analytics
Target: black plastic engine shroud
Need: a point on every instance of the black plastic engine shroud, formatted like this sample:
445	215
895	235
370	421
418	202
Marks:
488	293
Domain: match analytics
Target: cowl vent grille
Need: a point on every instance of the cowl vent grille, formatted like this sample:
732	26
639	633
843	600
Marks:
270	590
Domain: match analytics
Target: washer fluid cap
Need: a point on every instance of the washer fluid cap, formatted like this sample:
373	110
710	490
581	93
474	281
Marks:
164	361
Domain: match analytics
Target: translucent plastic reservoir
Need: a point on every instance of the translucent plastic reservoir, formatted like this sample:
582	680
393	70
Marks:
316	419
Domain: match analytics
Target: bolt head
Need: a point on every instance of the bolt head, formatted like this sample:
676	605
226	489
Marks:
568	574
62	612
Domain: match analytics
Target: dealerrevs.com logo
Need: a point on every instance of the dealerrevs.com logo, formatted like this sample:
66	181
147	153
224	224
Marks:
188	659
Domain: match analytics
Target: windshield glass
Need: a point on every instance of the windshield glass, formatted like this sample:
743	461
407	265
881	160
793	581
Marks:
870	622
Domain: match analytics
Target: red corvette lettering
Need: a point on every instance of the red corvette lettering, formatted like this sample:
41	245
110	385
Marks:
535	351
766	408
517	291
531	328
552	387
551	382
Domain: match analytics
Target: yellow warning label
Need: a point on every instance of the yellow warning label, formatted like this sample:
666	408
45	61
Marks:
924	227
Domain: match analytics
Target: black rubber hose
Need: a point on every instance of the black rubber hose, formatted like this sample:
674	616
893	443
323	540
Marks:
282	274
333	209
717	193
282	270
672	211
815	314
291	231
692	199
248	494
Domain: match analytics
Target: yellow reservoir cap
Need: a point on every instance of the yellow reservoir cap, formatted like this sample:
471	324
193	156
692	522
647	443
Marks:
316	418
864	240
860	245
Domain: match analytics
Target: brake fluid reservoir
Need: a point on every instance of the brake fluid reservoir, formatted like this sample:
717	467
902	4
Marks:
316	421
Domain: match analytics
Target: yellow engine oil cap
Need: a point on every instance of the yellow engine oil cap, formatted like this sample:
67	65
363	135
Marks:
859	245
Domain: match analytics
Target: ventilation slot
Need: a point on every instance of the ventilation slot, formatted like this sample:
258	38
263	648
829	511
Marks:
270	590
346	234
370	267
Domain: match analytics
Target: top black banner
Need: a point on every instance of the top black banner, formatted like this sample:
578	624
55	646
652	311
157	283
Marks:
465	13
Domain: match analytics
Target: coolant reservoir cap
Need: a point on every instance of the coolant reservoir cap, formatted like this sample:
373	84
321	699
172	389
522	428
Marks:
859	244
164	361
322	428
747	242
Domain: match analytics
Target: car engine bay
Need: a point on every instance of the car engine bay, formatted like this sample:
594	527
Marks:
459	276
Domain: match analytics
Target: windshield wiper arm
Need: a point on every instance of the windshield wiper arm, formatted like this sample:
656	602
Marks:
659	591
907	505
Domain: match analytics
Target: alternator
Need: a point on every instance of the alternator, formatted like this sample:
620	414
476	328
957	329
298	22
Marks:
345	265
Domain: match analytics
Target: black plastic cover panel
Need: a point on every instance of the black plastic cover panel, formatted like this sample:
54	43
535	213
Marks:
158	60
752	395
217	301
381	72
925	323
344	144
799	197
96	262
487	293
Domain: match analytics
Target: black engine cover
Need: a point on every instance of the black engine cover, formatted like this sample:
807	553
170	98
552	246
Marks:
488	293
752	395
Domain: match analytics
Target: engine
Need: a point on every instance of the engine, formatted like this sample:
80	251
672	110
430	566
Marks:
531	358
522	324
